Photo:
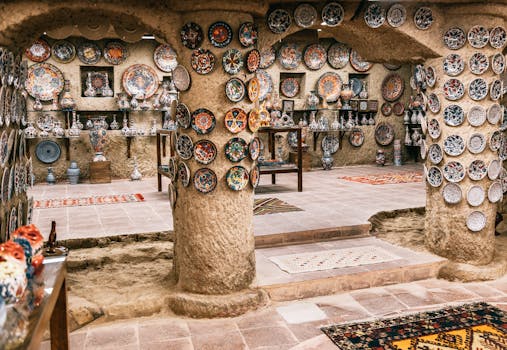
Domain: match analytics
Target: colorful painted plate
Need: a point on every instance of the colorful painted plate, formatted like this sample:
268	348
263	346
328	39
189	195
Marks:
88	52
115	52
237	178
398	108
279	21
497	37
434	129
332	14
236	120
254	122
205	180
454	145
478	63
434	176
329	86
498	63
140	80
232	61
203	121
496	90
265	84
290	55
454	171
39	51
235	89
384	133
172	168
165	58
478	89
44	81
255	176
220	34
392	87
315	56
253	60
184	146
433	103
305	15
254	148
478	36
358	63
63	51
431	76
338	55
356	137
396	15
268	57
453	65
454	89
253	89
455	38
184	173
181	78
183	115
477	170
386	109
289	87
248	34
423	18
435	154
203	61
205	151
236	149
47	152
191	35
375	15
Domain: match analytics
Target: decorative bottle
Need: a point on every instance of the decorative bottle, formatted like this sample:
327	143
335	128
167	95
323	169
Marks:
67	102
90	90
364	92
50	178
106	90
73	173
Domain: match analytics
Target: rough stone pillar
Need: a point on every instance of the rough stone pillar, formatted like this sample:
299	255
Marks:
214	249
447	233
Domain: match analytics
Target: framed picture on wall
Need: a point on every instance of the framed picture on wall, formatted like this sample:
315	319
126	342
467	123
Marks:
287	106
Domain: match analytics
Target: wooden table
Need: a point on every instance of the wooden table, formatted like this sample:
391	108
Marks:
161	146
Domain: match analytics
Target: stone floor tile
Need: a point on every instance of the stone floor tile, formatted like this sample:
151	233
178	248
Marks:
414	295
267	318
111	337
162	330
378	302
483	290
200	327
305	331
321	342
176	344
450	294
219	340
301	312
268	336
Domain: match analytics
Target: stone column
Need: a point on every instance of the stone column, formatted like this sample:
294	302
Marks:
214	248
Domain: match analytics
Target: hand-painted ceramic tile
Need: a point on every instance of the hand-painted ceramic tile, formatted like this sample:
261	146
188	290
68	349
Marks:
165	58
332	14
183	115
39	51
289	87
268	57
205	180
237	178
191	35
181	78
203	121
248	34
315	56
140	80
431	76
235	120
392	87
44	81
338	55
279	21
305	15
434	129
205	151
220	34
236	149
203	61
63	51
329	86
290	55
235	89
254	149
435	153
253	60
88	52
232	61
115	52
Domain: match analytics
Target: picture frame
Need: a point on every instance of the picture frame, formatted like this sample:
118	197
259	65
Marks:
287	106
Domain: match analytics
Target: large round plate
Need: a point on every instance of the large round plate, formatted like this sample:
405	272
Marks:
375	15
475	195
329	86
203	121
254	148
253	60
358	63
184	173
497	37
232	61
184	147
454	171
248	34
181	78
205	180
386	109
39	51
315	56
476	143
476	115
183	115
396	15
237	178
165	58
115	52
289	55
384	133
477	170
191	35
455	38
279	21
453	89
434	176
356	137
265	84
338	55
205	151
140	80
305	15
478	89
63	51
268	57
203	61
236	149
44	81
236	120
495	192
330	143
220	34
289	87
476	221
255	176
478	36
454	145
235	89
332	14
392	87
452	193
48	151
88	52
453	64
423	18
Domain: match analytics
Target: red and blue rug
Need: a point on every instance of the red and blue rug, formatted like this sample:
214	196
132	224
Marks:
83	201
386	179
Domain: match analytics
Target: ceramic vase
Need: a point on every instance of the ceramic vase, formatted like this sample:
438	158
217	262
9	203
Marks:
313	123
327	160
106	90
30	131
51	178
346	95
90	90
37	105
406	118
136	174
380	158
397	152
413	118
114	124
73	173
58	130
122	101
98	139
364	91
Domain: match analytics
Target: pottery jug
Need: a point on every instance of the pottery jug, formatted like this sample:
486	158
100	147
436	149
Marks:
114	124
346	95
58	130
90	90
50	178
37	105
73	173
123	102
313	123
406	118
312	100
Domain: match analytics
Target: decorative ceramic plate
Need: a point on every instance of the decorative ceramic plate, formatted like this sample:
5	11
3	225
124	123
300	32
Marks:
88	52
356	85
172	194
181	78
279	21
454	89
476	221
454	145
338	55
434	129
253	60
476	143
289	55
329	86
289	87
232	61
477	170
248	34
184	147
497	37
265	84
453	65
4	147
435	153
203	121
332	14
183	115
495	112
254	122
375	15
191	35
454	171
476	116
255	176
494	169
116	53
478	63
220	34
358	63
386	109
235	89
254	148
165	58
253	89
44	81
63	51
5	185
423	148
356	137
205	180
455	38
237	178
498	63
396	15
503	125
236	120
268	57
315	56
452	193
475	195
392	87
305	15
236	149
140	80
478	89
495	192
330	143
478	36
434	176
433	103
184	173
502	152
431	76
384	133
454	115
495	140
39	51
503	179
47	152
203	61
496	90
205	151
172	169
423	18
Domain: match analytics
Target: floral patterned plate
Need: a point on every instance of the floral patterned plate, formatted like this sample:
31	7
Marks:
88	52
191	35
478	36
498	63
115	52
289	87
268	57
236	120
476	115
305	15
63	51
203	121
255	176
220	34
453	89
184	173
392	87
495	112
453	65
454	145
434	176
236	149
434	129
358	63
254	121
289	55
205	180
476	143
248	34
475	195
478	89
356	137
338	55
184	147
435	154
253	89
315	56
478	63
423	18
332	14
329	86
39	51
205	151
477	170
386	109
497	37
232	61
433	103
375	15
140	80
253	60
396	15
452	193
203	61
384	133
254	148
237	178
455	38
165	58
279	21
454	171
183	115
44	81
235	89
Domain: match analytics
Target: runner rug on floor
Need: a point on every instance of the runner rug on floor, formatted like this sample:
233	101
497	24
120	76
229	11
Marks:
94	200
264	206
478	326
384	179
333	259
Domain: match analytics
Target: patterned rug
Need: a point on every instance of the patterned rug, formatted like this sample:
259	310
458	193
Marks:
95	200
333	259
478	326
384	179
264	206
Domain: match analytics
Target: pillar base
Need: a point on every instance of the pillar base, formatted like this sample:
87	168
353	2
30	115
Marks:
215	306
454	271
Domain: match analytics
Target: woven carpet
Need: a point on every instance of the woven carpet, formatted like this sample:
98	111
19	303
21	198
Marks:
332	259
384	179
264	206
478	326
83	201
